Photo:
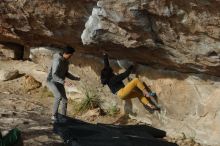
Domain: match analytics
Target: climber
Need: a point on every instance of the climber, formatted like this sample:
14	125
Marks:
56	79
127	91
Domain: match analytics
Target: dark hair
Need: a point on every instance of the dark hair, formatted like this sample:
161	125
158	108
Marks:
68	50
106	75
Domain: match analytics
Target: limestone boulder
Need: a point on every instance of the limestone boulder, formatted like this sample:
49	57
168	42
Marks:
12	51
190	102
182	36
8	74
175	44
179	35
30	83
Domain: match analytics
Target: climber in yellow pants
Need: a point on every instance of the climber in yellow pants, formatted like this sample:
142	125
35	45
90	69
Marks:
116	85
129	92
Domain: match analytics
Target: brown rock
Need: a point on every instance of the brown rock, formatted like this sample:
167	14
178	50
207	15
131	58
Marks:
8	74
196	144
91	114
186	99
189	142
167	41
12	51
179	142
166	34
31	83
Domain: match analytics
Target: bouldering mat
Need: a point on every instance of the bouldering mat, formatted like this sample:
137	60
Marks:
75	132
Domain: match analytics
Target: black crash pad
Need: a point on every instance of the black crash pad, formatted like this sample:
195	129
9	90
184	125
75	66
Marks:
78	133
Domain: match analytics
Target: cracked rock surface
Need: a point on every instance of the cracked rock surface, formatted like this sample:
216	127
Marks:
178	35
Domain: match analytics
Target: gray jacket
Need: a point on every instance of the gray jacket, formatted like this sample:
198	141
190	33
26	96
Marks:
59	70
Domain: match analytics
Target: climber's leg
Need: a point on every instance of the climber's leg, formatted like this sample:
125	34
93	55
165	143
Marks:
135	83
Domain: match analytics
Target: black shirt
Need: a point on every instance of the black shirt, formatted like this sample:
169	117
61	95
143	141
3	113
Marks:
115	82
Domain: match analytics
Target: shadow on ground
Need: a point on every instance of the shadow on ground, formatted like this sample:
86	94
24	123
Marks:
78	133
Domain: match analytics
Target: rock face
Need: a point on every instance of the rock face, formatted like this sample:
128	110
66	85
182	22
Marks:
180	35
8	74
173	34
12	51
31	83
43	22
190	102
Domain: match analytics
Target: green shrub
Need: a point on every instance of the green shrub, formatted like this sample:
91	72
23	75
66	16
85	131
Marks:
91	100
113	110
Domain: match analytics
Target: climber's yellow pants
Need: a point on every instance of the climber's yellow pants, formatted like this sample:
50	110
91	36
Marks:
128	91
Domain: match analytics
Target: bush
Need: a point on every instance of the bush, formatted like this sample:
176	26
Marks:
90	101
112	111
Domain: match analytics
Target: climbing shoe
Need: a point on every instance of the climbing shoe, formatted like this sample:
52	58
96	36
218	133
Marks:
152	94
149	109
157	109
